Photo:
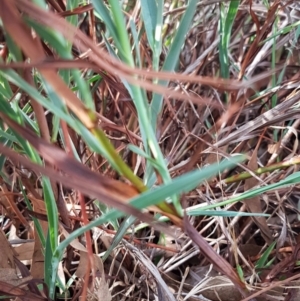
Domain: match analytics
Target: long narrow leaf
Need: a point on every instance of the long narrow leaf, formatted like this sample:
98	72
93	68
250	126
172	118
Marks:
172	57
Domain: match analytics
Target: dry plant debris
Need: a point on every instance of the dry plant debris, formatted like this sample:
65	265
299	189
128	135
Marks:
96	116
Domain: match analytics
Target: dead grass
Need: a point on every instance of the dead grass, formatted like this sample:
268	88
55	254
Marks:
201	123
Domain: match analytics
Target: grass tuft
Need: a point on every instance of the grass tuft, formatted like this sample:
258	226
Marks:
142	140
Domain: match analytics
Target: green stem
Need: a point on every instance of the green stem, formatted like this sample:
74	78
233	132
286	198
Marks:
246	175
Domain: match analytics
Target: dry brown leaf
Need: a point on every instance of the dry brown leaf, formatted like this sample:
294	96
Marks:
11	204
220	288
10	276
254	205
212	256
106	62
273	148
107	240
24	295
25	251
279	113
8	272
111	192
156	282
101	291
260	36
214	156
214	287
38	259
101	286
34	50
83	264
7	252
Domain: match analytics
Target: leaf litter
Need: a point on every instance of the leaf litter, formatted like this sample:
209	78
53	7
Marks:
204	119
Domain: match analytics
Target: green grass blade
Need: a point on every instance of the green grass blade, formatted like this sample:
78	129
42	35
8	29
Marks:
150	142
36	222
288	181
48	263
135	37
222	213
121	32
56	108
261	263
52	212
14	51
172	58
179	185
158	35
105	15
64	50
149	15
128	222
225	23
12	110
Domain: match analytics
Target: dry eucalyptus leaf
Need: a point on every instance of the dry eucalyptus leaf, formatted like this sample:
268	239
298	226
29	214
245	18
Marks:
220	288
107	240
273	148
38	264
101	286
101	290
83	264
10	276
7	252
25	251
22	294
